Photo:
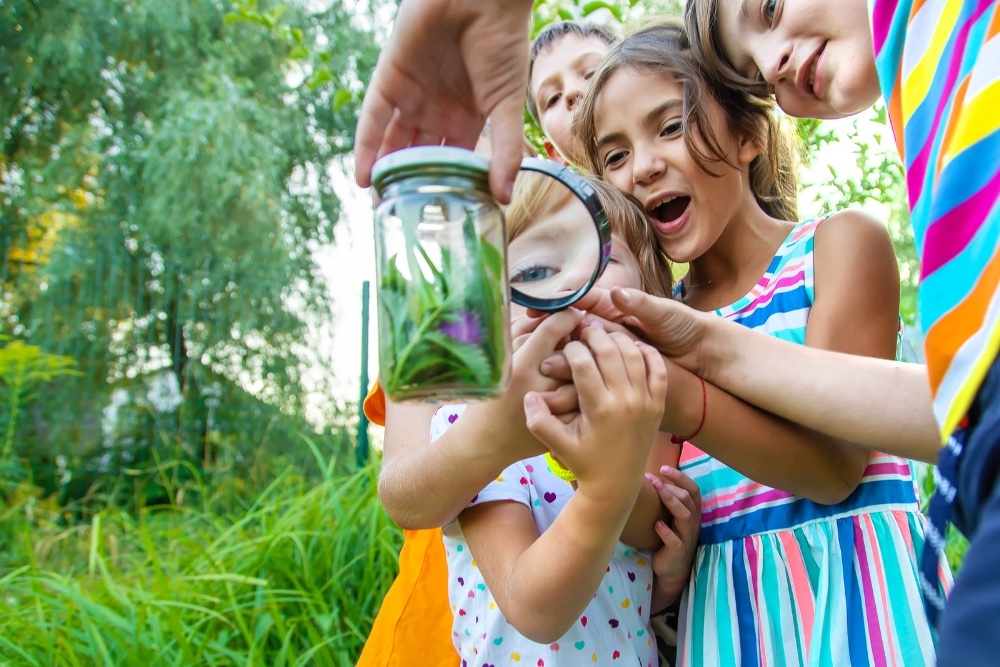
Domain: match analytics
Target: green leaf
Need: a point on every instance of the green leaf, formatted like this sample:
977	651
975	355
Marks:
340	98
321	76
299	53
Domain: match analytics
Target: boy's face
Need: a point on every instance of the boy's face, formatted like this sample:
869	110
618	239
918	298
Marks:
816	54
559	79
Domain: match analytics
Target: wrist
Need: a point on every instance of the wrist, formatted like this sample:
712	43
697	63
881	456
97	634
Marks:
683	406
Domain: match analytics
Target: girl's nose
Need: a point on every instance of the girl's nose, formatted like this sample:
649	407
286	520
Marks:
647	167
776	62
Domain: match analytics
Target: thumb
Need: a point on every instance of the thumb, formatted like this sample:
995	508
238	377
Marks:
507	134
544	425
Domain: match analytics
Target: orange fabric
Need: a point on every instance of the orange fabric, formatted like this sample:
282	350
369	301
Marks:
413	626
374	404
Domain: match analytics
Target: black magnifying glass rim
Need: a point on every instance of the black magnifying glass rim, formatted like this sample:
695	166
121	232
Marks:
588	196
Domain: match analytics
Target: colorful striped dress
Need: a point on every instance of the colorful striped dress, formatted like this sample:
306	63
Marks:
939	68
781	580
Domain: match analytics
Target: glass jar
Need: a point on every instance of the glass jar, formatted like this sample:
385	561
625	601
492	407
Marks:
441	275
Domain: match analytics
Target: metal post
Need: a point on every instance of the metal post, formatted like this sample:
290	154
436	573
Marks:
362	447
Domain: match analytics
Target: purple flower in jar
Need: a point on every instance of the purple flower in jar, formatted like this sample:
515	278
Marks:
463	327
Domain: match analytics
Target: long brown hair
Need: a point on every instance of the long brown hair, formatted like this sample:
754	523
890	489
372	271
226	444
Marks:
536	196
663	48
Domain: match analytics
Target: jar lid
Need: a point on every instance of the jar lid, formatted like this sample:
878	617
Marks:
429	161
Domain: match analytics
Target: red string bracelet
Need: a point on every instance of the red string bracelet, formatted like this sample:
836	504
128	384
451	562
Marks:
677	440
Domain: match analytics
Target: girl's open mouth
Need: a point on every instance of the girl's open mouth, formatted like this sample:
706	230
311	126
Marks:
669	215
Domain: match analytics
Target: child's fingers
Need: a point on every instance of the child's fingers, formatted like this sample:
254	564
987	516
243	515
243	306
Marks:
562	400
679	479
607	356
549	430
586	376
673	543
556	367
543	340
656	372
524	325
635	365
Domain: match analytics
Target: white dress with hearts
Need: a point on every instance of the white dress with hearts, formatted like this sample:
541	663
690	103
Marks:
613	630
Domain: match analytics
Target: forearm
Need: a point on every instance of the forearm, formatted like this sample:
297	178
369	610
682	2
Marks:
639	531
768	449
879	404
427	484
549	585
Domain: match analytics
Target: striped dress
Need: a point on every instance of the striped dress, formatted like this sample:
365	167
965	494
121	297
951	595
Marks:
781	580
939	68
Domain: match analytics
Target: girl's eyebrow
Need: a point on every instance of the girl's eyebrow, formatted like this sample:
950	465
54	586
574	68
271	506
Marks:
648	119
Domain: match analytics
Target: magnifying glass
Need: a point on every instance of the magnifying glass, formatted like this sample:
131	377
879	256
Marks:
558	236
446	263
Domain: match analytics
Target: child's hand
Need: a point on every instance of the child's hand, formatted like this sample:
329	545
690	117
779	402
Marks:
621	387
672	562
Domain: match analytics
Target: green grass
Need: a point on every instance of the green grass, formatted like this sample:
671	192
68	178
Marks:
293	576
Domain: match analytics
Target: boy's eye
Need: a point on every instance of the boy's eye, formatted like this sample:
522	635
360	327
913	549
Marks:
533	274
768	10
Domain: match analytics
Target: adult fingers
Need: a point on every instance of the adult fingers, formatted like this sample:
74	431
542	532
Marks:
507	133
598	301
376	113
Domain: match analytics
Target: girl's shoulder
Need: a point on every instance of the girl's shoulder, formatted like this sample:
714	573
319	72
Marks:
849	228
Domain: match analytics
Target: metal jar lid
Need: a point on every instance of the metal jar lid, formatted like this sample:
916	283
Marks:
430	161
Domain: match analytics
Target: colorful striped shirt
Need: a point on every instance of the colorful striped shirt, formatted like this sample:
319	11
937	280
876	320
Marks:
939	68
781	580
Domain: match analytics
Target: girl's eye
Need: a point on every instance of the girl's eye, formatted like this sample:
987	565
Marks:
613	159
768	10
671	128
589	74
533	274
550	101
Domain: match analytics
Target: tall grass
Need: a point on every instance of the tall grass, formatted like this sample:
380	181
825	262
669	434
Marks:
293	577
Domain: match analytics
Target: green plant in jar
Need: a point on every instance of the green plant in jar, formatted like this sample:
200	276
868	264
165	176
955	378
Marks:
442	285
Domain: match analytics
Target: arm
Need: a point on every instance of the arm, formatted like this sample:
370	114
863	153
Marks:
856	301
542	583
879	404
425	485
640	528
766	448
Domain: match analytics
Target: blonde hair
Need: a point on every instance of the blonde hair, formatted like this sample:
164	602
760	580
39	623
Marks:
663	48
537	196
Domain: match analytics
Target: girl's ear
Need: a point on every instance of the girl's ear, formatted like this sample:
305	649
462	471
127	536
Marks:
749	149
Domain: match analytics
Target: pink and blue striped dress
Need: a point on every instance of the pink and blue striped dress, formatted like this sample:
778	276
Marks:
781	580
